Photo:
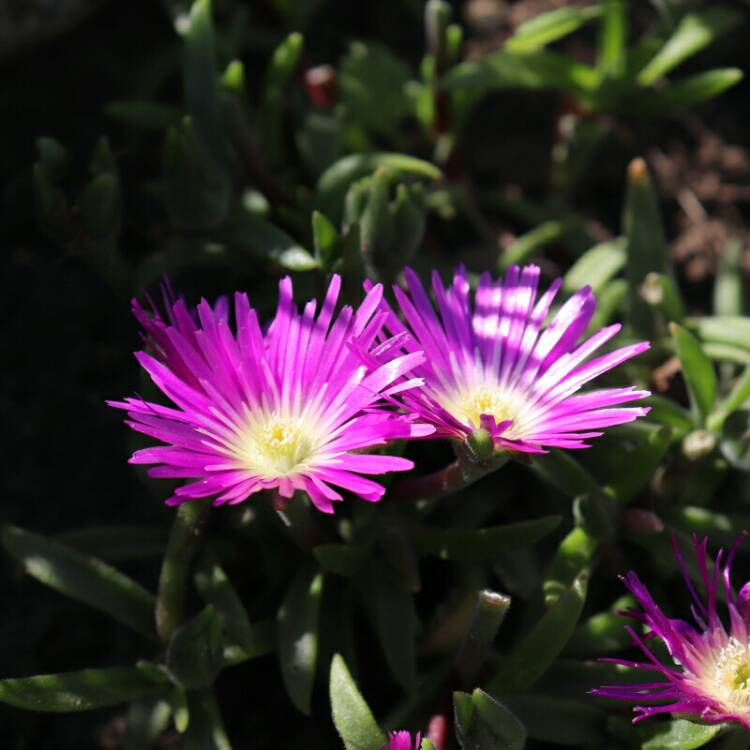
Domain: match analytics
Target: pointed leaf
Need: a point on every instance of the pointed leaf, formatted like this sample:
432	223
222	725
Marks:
335	181
79	691
215	588
596	266
694	32
646	243
528	661
195	653
146	720
697	369
573	557
206	729
639	464
298	636
83	578
678	734
505	731
201	78
351	715
395	622
548	27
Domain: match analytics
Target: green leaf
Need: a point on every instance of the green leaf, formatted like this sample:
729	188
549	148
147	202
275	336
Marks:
572	558
376	222
463	714
351	715
612	40
201	78
395	622
646	243
565	722
79	691
720	527
298	636
335	181
602	634
697	369
548	27
562	471
737	398
197	186
195	654
116	543
668	412
677	734
147	718
535	71
490	613
372	83
409	221
498	723
83	578
522	248
733	330
528	661
482	544
248	232
728	286
216	590
660	291
326	241
280	70
596	266
206	728
638	463
99	205
611	301
694	32
677	97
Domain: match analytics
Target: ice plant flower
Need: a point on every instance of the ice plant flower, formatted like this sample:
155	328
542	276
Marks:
287	409
710	678
402	741
491	362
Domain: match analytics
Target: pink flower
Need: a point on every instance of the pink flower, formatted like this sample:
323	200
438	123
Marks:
709	679
288	409
402	741
492	362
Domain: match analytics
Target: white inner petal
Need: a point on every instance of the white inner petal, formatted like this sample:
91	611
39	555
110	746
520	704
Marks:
727	677
278	445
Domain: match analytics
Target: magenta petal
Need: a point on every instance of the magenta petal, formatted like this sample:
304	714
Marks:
276	410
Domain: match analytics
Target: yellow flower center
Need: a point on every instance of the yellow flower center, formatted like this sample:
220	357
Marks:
731	675
277	446
468	406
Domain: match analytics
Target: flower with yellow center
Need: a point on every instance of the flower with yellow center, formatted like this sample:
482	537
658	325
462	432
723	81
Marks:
710	678
294	408
492	361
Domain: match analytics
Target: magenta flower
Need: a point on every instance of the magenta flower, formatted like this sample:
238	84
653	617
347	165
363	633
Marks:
289	409
402	741
710	677
491	362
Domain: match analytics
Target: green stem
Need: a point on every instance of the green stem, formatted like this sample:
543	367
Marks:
186	530
456	476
